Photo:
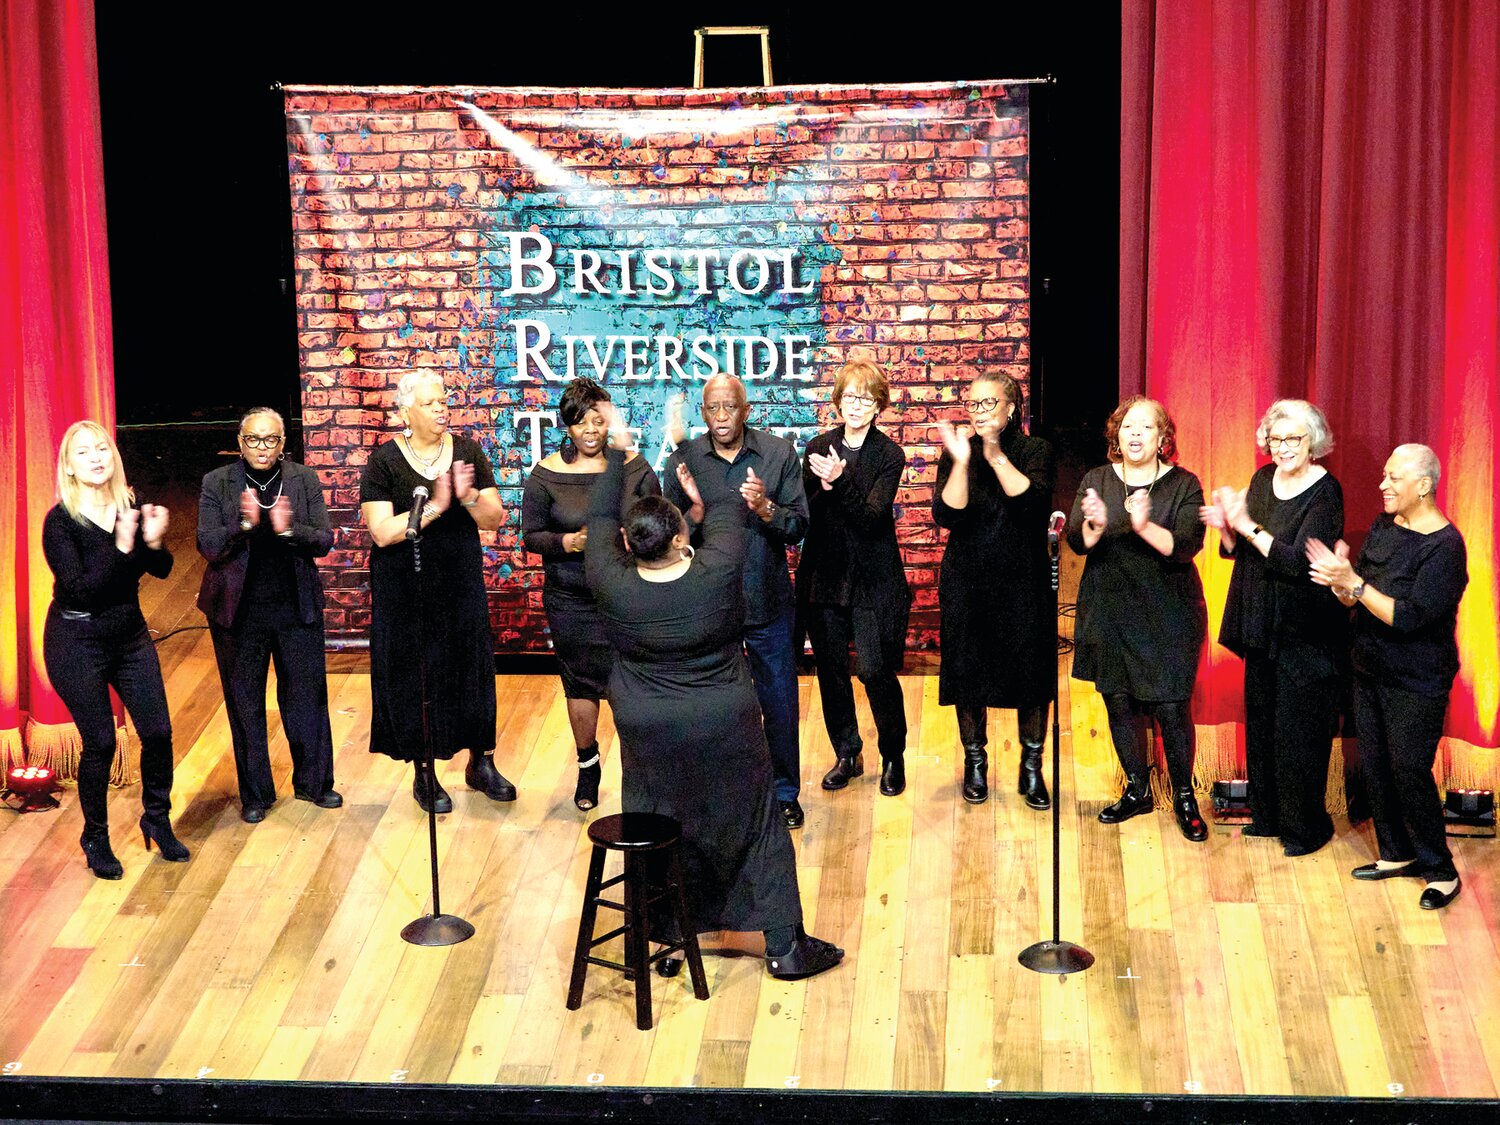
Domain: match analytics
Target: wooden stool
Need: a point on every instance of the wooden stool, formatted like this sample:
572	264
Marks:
634	835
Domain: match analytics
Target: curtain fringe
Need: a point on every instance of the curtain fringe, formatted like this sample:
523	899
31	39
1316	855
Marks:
12	749
58	745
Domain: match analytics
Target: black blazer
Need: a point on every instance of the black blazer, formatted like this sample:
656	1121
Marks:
850	555
222	543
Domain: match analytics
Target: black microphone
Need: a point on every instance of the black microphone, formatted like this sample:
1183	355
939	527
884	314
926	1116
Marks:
414	517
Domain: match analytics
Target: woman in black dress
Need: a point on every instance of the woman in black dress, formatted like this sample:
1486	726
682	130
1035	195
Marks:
851	580
1141	617
1289	632
449	617
98	545
554	515
1411	575
261	523
999	639
692	745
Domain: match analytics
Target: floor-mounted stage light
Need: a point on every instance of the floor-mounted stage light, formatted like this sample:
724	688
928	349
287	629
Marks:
29	789
1469	812
1232	801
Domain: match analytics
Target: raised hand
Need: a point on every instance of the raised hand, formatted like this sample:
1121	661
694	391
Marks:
754	491
154	519
463	482
1213	515
442	492
955	441
281	515
1093	509
1233	504
676	427
619	435
826	467
127	520
249	509
1138	504
1330	567
690	490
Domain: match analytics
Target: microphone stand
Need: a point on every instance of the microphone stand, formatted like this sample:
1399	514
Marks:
437	928
1056	956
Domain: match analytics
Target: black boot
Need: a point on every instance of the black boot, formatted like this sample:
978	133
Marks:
430	795
1135	800
893	776
1185	805
845	769
976	766
158	830
1031	784
100	856
481	775
586	792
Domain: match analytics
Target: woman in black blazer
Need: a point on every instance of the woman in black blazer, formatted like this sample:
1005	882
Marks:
851	579
261	523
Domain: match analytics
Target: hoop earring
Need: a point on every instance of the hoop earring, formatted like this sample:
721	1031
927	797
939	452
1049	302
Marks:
567	450
281	456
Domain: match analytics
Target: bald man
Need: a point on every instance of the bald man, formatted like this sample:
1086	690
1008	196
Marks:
762	470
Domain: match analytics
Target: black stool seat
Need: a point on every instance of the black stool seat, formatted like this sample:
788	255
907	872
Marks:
647	880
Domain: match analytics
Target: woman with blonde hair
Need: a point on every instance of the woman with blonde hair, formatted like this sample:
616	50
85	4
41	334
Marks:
98	543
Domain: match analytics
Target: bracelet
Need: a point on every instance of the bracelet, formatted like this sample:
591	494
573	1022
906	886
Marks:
430	511
469	503
287	534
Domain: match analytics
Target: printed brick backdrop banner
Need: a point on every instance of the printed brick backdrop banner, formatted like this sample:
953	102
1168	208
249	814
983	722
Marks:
514	239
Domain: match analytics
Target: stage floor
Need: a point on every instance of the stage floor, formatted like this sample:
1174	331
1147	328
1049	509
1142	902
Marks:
1223	968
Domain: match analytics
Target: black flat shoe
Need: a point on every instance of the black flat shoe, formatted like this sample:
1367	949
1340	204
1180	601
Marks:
976	786
430	794
1434	899
791	812
328	799
482	776
159	832
101	857
1185	806
845	770
808	957
1133	802
252	814
893	776
1371	872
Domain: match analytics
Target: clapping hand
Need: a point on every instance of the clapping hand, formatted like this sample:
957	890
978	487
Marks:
619	435
690	490
249	509
1213	514
676	427
1233	504
1138	504
281	515
126	522
153	524
1330	567
442	492
463	482
1094	510
826	467
955	442
753	489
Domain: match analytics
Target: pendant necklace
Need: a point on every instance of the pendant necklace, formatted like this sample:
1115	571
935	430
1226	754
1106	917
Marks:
429	464
1140	490
263	487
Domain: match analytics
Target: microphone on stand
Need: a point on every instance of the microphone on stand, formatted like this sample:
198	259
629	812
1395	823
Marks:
1054	531
414	517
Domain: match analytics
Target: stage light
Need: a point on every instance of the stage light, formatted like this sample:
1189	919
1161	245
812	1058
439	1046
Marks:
1232	801
1469	812
29	789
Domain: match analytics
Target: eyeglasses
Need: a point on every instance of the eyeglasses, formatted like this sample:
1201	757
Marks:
858	400
254	442
981	405
727	409
1291	441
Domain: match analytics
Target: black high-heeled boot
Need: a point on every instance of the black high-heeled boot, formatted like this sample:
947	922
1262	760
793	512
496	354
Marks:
586	792
100	856
976	769
158	830
1133	802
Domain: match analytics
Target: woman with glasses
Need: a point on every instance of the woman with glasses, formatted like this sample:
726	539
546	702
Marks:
998	635
439	632
1290	633
1141	617
261	523
851	578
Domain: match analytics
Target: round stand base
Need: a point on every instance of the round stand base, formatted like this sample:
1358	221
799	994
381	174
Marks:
1056	957
437	929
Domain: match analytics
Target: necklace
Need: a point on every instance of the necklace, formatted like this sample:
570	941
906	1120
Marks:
263	487
1131	497
429	464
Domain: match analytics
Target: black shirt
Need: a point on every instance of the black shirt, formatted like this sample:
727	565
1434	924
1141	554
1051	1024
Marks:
89	573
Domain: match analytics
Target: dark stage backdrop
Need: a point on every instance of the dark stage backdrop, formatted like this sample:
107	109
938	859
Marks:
1310	207
511	239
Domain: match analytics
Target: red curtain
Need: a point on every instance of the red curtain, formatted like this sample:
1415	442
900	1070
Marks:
55	344
1310	208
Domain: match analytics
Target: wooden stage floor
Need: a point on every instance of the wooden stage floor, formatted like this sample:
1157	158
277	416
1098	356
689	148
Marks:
275	953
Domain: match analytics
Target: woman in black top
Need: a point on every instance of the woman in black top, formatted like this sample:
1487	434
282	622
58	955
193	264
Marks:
851	579
261	523
98	546
554	517
1410	577
692	745
450	619
1141	617
999	637
1289	632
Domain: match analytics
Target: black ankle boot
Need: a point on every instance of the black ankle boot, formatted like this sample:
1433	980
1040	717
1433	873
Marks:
845	769
158	830
892	776
1185	805
1031	784
976	767
481	775
1135	800
586	792
429	793
100	856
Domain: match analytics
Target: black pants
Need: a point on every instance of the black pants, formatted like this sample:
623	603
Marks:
1289	722
1031	724
85	658
265	635
1398	741
1127	717
832	629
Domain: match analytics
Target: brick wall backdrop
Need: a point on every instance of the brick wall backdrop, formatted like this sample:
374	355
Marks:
906	209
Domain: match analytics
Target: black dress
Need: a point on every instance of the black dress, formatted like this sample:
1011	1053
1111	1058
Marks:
1141	616
691	742
1293	637
451	622
998	633
554	505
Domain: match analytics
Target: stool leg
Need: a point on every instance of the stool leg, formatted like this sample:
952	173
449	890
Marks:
637	939
586	928
689	935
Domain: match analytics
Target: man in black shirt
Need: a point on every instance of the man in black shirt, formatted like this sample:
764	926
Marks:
764	470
